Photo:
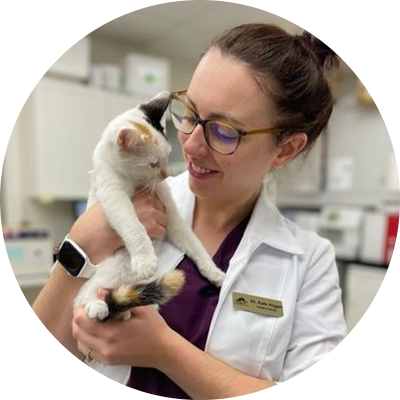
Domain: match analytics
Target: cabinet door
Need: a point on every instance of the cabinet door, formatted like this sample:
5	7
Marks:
358	151
68	119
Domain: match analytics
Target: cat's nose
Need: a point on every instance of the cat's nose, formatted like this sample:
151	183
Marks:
164	173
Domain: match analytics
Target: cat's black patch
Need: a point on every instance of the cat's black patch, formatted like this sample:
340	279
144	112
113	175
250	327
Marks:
154	111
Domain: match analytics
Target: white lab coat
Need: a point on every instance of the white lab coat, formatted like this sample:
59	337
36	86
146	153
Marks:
275	260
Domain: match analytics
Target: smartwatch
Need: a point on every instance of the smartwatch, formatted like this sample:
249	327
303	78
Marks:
74	260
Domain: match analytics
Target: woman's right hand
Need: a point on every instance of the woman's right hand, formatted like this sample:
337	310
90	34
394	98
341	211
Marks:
99	240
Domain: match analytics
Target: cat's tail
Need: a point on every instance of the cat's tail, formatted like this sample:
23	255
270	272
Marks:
157	292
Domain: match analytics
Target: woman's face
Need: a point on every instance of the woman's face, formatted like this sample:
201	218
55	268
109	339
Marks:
224	87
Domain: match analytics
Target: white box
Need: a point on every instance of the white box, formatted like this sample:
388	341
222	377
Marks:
373	238
75	62
107	76
146	75
29	251
342	226
379	237
112	76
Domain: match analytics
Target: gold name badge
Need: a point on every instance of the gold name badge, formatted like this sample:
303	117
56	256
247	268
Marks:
255	304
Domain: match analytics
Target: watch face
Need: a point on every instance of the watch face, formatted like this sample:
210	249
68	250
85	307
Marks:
71	259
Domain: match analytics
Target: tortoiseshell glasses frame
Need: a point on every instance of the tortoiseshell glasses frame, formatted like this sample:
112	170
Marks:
219	136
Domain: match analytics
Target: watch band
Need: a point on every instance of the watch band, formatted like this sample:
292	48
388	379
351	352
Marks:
74	260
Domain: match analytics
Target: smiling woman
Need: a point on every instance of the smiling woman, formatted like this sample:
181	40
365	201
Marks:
257	99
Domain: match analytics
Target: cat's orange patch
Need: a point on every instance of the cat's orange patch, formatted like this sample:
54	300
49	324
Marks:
144	130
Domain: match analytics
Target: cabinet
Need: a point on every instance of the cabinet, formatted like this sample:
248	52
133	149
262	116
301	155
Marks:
63	122
358	155
351	164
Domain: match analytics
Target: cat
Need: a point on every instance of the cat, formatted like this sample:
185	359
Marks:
133	153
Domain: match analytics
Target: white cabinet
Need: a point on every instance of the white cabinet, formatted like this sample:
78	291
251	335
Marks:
356	135
352	163
359	149
62	124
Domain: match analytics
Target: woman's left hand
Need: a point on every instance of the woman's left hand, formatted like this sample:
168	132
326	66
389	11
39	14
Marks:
138	342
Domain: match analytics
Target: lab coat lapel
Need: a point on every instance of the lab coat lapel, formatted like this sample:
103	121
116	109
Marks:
258	267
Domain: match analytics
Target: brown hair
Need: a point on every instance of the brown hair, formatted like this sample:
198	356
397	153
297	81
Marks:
291	68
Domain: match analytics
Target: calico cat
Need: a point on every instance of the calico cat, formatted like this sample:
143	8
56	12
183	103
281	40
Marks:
133	153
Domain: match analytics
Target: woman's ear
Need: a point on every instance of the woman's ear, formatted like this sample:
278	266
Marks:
290	148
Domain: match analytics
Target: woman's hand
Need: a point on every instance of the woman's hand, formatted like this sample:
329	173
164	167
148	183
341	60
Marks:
140	342
99	240
151	213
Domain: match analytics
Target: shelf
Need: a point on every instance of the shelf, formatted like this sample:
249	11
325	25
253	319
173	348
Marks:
361	263
32	280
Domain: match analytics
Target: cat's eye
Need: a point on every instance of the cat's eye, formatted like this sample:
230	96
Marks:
155	165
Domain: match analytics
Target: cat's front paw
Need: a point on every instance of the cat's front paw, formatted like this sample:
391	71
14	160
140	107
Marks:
143	272
216	277
97	310
210	271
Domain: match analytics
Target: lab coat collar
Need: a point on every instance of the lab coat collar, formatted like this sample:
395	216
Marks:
266	225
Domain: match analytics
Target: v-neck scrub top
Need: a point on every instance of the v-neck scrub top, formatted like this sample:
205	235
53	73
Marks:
189	314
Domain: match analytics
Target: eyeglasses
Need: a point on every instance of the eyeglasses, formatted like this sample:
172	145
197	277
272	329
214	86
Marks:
219	136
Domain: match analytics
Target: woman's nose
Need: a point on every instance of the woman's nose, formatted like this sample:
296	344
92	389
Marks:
195	143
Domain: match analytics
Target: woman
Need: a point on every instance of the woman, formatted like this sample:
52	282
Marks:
256	100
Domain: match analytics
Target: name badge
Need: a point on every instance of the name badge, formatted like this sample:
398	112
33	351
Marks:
255	304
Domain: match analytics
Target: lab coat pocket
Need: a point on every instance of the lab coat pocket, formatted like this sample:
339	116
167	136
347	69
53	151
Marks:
241	340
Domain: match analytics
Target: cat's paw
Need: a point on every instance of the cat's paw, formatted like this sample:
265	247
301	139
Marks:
97	310
143	272
212	273
216	277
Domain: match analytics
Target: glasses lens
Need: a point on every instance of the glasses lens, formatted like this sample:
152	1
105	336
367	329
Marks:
222	138
183	119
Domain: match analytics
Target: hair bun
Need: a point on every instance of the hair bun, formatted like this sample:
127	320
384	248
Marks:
325	57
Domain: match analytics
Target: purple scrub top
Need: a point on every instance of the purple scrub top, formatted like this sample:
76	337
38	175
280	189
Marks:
189	314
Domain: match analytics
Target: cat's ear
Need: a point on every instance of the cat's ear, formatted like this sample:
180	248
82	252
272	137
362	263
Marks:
156	107
129	139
